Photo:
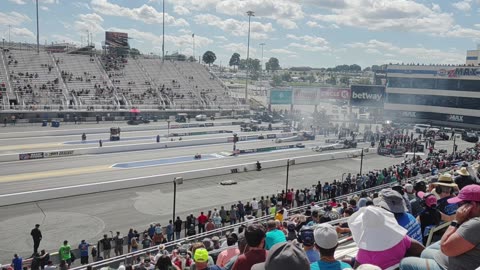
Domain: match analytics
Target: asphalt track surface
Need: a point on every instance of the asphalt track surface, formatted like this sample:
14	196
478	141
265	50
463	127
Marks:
89	216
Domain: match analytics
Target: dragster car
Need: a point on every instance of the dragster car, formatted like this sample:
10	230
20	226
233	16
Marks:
337	145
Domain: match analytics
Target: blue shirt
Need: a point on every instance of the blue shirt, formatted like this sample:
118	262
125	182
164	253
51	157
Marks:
336	265
17	263
313	255
83	249
408	222
274	237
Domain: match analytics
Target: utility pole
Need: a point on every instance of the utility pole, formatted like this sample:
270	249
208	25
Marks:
9	28
38	33
361	163
163	32
261	70
250	14
193	38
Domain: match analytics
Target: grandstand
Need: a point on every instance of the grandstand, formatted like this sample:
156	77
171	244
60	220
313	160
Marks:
79	80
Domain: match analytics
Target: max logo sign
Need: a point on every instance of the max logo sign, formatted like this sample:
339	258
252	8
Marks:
409	114
455	118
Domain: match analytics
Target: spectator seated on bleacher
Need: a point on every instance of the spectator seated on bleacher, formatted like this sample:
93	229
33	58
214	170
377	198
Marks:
225	256
444	188
326	241
307	238
394	202
458	248
416	203
380	239
284	256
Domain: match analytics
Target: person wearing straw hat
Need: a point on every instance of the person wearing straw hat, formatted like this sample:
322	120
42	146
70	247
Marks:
459	247
464	178
444	188
380	240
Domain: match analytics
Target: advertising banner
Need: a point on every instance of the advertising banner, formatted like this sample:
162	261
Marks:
283	96
209	124
58	154
308	96
384	151
334	93
116	39
28	156
367	95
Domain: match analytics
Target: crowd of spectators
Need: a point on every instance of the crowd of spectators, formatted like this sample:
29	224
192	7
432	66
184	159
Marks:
389	227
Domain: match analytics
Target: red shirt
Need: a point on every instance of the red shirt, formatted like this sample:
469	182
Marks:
247	260
202	219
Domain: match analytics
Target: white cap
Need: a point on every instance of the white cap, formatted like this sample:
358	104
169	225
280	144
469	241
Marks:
325	236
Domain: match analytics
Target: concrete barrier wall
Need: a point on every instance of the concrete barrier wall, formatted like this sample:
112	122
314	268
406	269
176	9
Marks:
60	192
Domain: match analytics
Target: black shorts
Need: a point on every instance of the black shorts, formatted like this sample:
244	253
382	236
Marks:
84	260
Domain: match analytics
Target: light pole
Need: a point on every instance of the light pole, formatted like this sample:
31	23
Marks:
289	161
193	39
261	70
163	31
168	128
38	34
454	145
361	163
250	14
179	181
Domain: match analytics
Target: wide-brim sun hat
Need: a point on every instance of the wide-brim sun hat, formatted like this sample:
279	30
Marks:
445	180
375	229
463	171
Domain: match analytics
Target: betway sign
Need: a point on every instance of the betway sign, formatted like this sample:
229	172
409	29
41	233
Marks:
367	95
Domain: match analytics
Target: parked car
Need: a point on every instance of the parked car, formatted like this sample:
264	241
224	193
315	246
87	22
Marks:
470	136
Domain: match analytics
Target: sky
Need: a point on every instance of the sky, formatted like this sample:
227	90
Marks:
315	33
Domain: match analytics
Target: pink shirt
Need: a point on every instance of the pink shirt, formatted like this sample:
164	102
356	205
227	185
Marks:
225	256
385	258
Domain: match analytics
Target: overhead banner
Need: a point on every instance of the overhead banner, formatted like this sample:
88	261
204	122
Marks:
367	95
334	93
283	96
116	39
306	96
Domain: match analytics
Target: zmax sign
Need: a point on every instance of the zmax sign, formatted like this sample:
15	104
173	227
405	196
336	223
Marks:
455	118
367	95
459	72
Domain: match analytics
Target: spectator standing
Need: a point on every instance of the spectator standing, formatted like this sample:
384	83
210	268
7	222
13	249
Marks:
147	241
202	220
118	240
170	231
274	235
65	253
37	237
284	256
210	225
178	227
254	204
106	243
83	247
17	262
326	241
255	237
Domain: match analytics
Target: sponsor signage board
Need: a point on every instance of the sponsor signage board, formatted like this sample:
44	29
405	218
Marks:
116	39
28	156
313	96
58	154
334	93
209	124
367	95
281	96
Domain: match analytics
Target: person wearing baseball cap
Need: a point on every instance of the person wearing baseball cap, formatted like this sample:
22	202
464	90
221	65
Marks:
284	256
308	241
326	241
458	248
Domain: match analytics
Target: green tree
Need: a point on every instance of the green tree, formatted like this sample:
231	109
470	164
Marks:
332	80
310	78
272	64
286	77
134	52
191	59
209	57
345	80
234	60
276	80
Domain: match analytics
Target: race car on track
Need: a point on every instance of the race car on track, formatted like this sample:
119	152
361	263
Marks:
301	136
345	144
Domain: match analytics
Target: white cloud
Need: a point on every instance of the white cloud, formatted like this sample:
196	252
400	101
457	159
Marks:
180	10
44	8
22	32
314	24
281	51
235	27
222	38
239	48
177	41
309	39
284	12
63	38
144	13
13	18
89	22
463	5
309	48
311	43
409	54
82	5
48	1
18	2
